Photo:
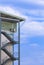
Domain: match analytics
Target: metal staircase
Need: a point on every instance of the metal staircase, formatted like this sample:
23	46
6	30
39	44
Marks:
7	44
9	38
4	62
9	54
3	48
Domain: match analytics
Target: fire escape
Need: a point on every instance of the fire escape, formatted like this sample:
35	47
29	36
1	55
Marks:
12	42
12	20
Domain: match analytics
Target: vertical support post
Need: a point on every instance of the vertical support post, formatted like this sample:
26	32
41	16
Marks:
13	48
19	43
0	38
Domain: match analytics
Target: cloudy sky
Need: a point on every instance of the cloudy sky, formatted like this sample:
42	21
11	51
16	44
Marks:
32	30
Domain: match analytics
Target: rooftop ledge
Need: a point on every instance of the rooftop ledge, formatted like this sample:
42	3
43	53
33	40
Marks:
10	17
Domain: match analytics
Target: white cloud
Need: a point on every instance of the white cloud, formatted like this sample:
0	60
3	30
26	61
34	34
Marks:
33	14
36	12
12	11
32	28
40	2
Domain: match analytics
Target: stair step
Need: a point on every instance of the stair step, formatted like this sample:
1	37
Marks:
9	43
8	53
5	61
9	38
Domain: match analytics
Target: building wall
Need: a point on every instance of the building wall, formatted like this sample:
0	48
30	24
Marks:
4	56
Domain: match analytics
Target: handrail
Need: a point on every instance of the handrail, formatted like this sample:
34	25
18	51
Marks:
8	37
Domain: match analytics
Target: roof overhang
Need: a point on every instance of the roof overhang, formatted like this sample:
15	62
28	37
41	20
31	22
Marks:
6	17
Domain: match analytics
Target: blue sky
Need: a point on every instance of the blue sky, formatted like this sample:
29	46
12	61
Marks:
32	30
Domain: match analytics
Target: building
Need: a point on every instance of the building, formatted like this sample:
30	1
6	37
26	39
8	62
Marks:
9	24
